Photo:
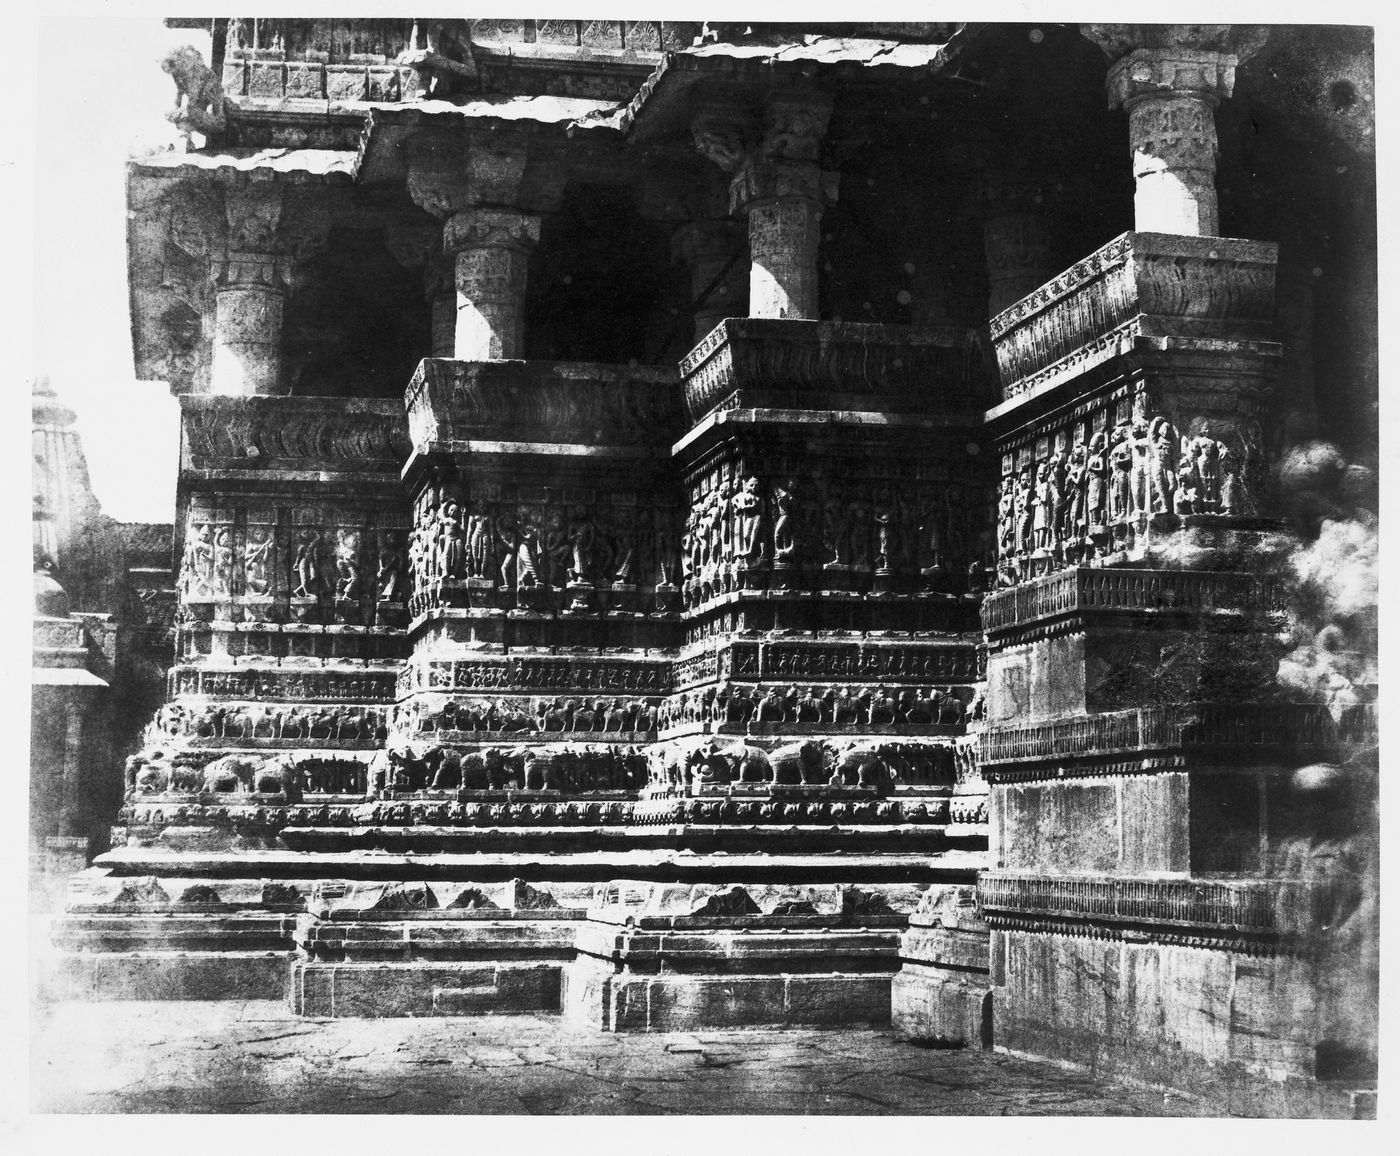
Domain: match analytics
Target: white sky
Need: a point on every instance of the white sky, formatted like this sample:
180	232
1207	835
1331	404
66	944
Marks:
112	100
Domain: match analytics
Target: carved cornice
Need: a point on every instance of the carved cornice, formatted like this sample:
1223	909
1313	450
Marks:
491	228
1240	41
263	433
1139	284
806	364
453	402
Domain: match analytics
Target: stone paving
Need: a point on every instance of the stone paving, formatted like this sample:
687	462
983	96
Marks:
256	1057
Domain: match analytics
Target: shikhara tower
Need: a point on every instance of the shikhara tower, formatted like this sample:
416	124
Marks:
694	526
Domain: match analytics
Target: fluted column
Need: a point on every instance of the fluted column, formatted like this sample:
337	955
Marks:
1170	79
782	191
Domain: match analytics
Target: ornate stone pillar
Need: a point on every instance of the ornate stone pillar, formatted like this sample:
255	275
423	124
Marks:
490	190
490	249
251	240
782	191
707	250
1170	79
419	247
1017	244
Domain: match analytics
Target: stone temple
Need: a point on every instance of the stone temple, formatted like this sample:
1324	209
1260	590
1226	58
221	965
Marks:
693	526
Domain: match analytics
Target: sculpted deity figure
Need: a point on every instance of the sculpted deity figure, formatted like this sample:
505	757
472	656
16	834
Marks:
1006	518
1140	473
930	560
748	516
1205	453
1058	500
1025	501
306	566
223	562
668	554
1163	438
583	545
452	543
1188	486
1076	478
347	565
479	541
1234	490
256	558
198	575
1120	460
388	578
784	526
1097	497
1044	507
623	548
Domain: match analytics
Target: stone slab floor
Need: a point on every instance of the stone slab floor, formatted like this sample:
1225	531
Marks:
256	1057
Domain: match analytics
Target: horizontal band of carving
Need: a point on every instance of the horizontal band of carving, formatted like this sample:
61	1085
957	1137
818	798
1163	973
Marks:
540	673
329	686
1244	905
258	433
1295	727
806	364
269	816
573	403
1084	590
1156	935
1148	284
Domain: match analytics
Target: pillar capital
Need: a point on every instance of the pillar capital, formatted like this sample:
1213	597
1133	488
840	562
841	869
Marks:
491	228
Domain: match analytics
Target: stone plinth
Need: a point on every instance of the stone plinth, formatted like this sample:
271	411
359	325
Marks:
694	958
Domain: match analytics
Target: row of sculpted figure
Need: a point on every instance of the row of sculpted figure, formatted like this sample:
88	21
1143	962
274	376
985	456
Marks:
818	705
541	546
214	567
413	767
341	724
744	525
875	765
1097	497
561	715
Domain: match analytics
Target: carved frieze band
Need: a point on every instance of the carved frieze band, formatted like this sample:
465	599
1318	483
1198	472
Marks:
295	433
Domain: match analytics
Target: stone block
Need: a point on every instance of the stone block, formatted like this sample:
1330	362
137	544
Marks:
267	79
934	1006
305	80
211	975
372	990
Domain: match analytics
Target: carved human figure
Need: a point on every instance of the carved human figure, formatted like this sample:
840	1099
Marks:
748	516
583	545
1140	473
885	532
199	562
479	545
784	526
257	553
1163	440
1025	512
452	541
1076	480
1098	470
1120	460
1205	454
931	536
668	552
1044	507
223	562
858	518
1006	518
1188	486
1235	498
306	566
347	565
389	575
1058	503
